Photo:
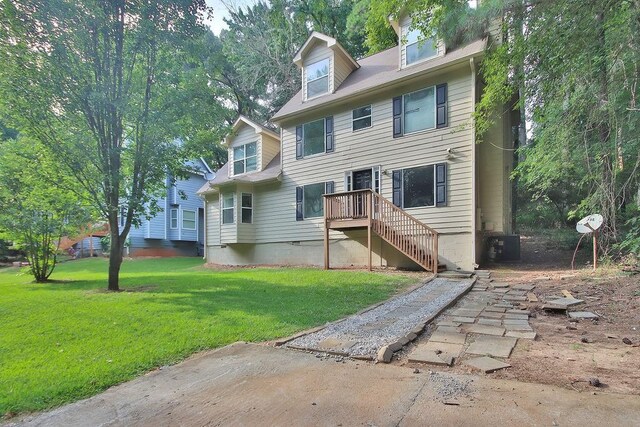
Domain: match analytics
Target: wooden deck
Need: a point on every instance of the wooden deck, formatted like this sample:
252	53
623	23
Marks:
367	209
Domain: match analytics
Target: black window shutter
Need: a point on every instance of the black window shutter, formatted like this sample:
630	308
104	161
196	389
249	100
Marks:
397	188
328	141
441	184
299	214
397	116
329	187
298	142
441	105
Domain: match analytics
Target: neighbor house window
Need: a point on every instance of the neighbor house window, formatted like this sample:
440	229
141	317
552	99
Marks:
419	110
317	78
188	220
227	209
420	186
361	118
313	137
247	208
245	158
173	219
418	47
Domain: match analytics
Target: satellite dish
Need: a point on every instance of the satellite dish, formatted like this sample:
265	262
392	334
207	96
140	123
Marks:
589	224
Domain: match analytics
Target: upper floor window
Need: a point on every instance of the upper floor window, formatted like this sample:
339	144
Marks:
245	158
314	137
418	48
361	118
188	220
419	110
317	78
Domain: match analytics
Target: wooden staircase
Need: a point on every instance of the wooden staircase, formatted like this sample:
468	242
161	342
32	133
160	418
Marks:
367	209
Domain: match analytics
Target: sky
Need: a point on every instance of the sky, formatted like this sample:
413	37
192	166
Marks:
220	11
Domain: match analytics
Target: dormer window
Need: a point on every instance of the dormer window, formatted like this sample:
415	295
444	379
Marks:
418	48
317	80
245	158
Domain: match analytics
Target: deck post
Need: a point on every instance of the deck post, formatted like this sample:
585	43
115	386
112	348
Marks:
370	215
326	236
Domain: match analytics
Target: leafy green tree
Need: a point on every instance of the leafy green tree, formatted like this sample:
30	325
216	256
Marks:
34	215
96	82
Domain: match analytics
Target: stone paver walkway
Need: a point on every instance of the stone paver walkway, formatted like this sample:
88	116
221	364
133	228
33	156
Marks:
390	325
486	322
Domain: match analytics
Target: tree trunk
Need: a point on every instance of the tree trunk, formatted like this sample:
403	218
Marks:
115	258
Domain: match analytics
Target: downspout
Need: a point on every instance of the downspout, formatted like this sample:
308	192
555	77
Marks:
474	179
204	234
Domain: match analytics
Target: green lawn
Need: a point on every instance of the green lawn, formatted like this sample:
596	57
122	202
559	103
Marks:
70	339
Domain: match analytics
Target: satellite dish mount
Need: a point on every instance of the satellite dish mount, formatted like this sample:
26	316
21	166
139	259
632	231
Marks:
589	225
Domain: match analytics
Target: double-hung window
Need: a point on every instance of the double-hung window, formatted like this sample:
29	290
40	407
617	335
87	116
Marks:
227	209
173	219
317	78
418	47
420	110
247	208
188	220
361	118
314	137
420	186
245	158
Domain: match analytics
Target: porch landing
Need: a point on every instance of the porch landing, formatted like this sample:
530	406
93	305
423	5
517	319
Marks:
387	327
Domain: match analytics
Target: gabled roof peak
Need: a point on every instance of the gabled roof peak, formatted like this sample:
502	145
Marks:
243	120
331	44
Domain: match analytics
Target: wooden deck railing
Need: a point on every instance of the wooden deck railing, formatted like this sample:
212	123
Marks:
404	232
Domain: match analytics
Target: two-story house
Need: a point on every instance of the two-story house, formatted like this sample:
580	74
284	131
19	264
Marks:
178	228
376	164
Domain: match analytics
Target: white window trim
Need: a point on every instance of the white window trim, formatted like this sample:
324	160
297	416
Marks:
244	160
405	33
363	117
242	208
171	219
195	220
434	187
233	209
324	138
306	82
435	112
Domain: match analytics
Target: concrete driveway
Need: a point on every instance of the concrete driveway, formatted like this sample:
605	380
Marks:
250	384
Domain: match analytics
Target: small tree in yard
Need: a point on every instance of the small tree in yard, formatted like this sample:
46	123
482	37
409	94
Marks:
33	213
96	82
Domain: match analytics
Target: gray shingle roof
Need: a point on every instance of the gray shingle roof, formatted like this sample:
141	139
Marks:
376	71
271	172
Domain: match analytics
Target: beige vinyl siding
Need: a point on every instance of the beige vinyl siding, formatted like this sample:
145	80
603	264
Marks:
317	53
246	134
405	23
275	219
270	147
342	70
213	220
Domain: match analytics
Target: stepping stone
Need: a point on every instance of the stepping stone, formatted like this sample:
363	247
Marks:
583	315
518	311
491	315
487	364
554	307
529	335
464	319
493	346
567	302
515	322
453	350
531	297
514	298
495	309
448	337
490	322
464	312
448	329
524	287
504	305
500	291
522	327
516	316
335	344
517	293
430	357
448	323
486	330
500	285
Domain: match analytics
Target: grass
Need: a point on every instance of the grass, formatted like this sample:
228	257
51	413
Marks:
70	339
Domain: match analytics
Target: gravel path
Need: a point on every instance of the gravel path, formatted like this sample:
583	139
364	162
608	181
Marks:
364	334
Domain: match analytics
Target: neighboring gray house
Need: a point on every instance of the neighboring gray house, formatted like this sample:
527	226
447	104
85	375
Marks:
178	229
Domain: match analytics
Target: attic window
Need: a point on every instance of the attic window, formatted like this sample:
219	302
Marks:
244	158
418	48
317	78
